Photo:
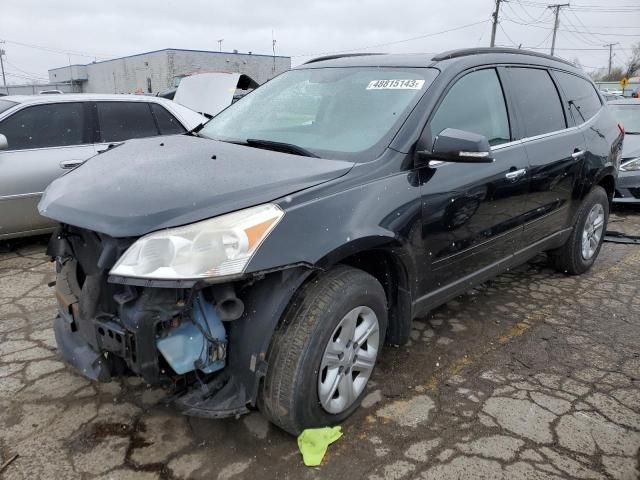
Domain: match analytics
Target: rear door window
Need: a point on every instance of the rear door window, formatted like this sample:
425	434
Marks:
167	123
582	99
475	104
538	103
48	125
121	121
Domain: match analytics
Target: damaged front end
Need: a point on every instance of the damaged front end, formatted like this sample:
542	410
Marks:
206	343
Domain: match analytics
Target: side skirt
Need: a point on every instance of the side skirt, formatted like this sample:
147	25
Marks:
444	294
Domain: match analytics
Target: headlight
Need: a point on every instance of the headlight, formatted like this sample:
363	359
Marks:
632	165
212	248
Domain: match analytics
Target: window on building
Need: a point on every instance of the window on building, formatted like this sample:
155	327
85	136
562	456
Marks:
121	121
167	123
539	107
475	104
583	100
49	125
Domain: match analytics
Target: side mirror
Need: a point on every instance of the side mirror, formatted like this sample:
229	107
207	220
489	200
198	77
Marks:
453	145
4	144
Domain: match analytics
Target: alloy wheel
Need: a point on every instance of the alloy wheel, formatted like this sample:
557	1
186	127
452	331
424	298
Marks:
348	359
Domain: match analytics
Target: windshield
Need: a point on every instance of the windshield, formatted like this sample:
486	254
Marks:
331	112
6	105
629	116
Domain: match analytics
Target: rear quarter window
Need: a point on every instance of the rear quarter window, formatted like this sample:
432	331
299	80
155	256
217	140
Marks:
6	105
582	99
167	123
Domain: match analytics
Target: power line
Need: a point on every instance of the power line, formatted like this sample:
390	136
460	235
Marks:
506	35
35	75
532	20
582	38
576	31
585	8
542	42
419	37
578	49
60	51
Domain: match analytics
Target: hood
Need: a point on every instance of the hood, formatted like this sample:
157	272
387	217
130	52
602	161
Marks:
150	184
631	146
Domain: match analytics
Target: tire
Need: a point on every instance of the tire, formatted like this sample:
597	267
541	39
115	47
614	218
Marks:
570	258
290	395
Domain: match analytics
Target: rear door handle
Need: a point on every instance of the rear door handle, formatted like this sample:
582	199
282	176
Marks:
577	153
67	164
516	174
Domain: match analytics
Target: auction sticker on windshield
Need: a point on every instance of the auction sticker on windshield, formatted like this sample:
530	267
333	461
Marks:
395	85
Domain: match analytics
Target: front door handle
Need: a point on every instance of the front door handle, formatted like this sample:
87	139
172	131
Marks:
68	164
577	153
516	174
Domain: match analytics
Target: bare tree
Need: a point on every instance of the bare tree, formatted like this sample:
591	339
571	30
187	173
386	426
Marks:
633	65
601	75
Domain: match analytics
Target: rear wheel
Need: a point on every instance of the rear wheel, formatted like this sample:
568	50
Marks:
324	351
580	251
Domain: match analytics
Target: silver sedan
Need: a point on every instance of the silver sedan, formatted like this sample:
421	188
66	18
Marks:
43	136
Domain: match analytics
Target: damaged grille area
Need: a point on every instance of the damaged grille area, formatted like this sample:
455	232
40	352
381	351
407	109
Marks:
161	334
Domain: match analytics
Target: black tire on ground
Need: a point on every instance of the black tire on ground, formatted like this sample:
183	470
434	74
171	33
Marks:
289	395
568	258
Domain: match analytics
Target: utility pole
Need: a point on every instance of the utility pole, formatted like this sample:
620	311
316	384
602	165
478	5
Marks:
4	80
610	45
220	44
495	14
556	24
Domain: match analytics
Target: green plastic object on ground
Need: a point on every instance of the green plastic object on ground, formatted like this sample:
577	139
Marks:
313	443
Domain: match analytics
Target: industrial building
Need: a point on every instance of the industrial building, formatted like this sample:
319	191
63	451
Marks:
160	70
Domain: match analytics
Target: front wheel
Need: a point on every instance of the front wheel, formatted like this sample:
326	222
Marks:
580	251
324	351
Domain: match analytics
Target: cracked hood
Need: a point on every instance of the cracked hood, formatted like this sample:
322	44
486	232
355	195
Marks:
150	184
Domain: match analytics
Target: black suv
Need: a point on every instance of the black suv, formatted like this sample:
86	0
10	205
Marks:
264	259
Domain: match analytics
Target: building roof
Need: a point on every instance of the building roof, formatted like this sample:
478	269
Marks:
170	50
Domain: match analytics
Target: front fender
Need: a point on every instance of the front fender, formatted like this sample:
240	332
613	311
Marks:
384	213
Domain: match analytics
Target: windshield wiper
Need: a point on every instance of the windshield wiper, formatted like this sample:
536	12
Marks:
194	131
631	133
280	147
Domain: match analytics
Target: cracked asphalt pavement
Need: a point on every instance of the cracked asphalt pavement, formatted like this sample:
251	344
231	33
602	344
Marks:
532	375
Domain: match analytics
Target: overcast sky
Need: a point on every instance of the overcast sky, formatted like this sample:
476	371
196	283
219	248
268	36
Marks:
74	31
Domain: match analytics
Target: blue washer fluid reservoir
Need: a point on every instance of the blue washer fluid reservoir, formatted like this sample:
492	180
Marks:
185	348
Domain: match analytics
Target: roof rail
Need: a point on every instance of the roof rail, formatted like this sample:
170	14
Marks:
342	55
477	51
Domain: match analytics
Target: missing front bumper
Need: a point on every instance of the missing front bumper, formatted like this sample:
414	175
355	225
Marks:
105	329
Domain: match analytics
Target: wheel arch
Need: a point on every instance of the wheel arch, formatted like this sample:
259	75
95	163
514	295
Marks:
604	177
608	182
390	263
